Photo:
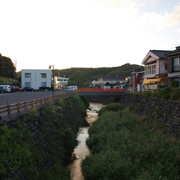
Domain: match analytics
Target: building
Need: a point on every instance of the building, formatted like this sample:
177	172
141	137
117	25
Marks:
36	78
174	68
137	81
111	80
60	81
156	74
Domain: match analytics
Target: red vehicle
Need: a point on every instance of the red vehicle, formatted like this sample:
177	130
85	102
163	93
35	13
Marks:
18	89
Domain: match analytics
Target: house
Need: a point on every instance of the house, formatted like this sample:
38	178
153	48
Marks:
111	80
174	68
156	74
129	86
60	81
36	78
137	81
108	81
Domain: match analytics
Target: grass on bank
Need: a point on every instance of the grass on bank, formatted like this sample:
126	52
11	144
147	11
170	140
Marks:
124	145
170	93
40	145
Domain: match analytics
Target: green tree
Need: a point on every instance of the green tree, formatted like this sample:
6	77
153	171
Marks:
79	79
7	68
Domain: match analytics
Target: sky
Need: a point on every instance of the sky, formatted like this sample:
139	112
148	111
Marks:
86	33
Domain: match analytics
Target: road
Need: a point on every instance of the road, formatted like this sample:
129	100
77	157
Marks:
16	97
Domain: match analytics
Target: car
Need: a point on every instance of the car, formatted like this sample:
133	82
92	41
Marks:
7	87
28	89
18	89
13	88
3	90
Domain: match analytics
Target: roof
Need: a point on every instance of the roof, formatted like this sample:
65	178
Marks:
113	79
175	52
160	53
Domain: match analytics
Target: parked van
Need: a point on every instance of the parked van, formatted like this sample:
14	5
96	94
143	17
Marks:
7	87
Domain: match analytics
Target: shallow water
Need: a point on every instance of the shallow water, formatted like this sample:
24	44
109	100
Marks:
82	150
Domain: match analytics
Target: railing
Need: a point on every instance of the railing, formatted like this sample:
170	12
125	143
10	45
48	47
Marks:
14	109
99	90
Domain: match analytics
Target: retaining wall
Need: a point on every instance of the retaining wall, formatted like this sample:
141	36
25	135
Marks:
165	111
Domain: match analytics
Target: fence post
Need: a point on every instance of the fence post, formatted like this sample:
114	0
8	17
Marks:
31	104
9	110
25	105
36	103
44	100
41	101
18	108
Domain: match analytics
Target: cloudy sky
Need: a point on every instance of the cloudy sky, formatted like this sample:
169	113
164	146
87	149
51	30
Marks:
86	33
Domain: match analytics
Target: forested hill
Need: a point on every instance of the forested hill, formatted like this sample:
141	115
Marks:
95	73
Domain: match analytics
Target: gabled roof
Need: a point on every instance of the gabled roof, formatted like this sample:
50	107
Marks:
160	53
154	55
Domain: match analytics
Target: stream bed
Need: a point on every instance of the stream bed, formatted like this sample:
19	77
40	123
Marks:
82	150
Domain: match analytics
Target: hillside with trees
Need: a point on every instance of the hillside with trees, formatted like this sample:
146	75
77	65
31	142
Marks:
7	68
95	73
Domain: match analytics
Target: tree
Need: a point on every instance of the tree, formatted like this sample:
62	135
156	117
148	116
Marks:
79	79
7	68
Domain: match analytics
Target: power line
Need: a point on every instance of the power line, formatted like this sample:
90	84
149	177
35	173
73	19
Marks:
173	47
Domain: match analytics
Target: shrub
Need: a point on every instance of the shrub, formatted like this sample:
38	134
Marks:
127	146
111	107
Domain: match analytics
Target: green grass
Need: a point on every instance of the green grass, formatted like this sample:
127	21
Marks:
124	145
40	145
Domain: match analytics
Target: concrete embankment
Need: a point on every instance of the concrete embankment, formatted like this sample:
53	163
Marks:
166	111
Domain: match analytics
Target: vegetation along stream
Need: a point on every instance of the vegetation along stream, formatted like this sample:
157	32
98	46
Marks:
82	150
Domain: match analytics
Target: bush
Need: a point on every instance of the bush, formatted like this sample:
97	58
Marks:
41	144
111	107
124	145
165	93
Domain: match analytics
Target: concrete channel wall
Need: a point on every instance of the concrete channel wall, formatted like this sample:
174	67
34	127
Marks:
165	111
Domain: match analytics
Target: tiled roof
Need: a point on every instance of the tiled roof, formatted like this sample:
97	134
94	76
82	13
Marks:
177	51
160	53
113	79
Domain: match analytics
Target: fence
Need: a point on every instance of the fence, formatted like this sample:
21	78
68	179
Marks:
14	109
100	90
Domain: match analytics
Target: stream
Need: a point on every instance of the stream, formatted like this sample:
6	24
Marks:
82	150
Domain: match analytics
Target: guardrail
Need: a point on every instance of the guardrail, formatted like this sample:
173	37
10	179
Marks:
14	109
100	90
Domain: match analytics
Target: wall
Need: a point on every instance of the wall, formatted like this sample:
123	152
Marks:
163	110
35	78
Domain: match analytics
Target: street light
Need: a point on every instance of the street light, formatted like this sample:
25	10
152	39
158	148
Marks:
52	76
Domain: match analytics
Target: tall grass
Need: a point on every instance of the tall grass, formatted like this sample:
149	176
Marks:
127	146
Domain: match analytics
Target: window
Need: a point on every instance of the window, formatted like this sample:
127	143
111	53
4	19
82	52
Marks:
43	75
154	69
176	64
43	84
151	69
27	75
27	84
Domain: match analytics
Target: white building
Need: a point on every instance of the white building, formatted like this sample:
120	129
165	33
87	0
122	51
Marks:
36	78
60	81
